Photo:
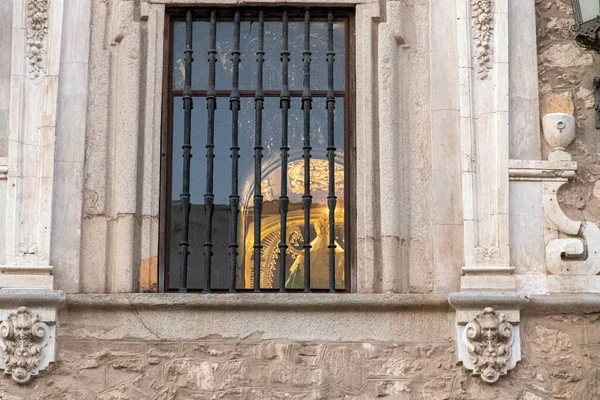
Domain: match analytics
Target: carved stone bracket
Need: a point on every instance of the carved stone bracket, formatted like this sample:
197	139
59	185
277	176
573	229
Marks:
26	342
488	340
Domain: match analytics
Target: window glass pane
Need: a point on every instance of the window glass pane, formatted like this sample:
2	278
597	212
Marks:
249	47
271	172
590	9
318	44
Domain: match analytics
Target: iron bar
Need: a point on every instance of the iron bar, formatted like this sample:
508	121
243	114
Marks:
306	106
184	197
259	99
209	197
284	103
234	105
331	197
266	93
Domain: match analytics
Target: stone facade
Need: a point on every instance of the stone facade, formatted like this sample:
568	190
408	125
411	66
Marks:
560	362
468	266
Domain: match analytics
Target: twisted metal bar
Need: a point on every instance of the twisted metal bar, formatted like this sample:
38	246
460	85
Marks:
331	197
306	148
259	99
209	197
284	103
185	196
234	105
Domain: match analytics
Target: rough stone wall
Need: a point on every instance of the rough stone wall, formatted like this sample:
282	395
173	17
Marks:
567	70
561	360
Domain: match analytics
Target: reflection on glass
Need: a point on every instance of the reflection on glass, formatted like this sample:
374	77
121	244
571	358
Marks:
271	163
249	46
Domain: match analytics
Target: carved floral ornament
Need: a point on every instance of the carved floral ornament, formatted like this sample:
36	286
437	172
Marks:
37	30
22	340
489	340
481	19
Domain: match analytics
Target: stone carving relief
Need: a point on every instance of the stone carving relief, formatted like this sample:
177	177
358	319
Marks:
481	16
489	340
23	338
37	30
572	247
27	249
486	254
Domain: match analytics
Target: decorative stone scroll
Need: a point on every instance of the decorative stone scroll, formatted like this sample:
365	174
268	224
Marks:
489	340
572	247
481	17
37	30
23	338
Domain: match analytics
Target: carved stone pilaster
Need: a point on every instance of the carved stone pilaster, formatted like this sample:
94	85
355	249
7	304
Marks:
23	342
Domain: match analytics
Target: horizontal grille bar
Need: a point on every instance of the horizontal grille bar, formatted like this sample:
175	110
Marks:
266	93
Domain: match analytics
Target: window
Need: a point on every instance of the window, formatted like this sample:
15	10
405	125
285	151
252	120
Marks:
259	95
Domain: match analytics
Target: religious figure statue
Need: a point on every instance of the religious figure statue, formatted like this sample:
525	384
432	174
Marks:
319	260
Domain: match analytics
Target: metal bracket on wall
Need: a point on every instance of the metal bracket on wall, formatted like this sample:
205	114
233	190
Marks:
597	100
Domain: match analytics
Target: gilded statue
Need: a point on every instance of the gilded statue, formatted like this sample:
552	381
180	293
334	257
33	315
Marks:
319	260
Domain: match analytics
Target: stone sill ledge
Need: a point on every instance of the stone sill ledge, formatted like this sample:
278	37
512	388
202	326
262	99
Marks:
534	304
31	298
260	301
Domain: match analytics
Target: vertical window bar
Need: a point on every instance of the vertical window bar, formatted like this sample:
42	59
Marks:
209	197
184	197
331	197
258	105
285	105
234	104
306	106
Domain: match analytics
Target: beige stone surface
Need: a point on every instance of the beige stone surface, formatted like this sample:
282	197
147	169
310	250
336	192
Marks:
561	356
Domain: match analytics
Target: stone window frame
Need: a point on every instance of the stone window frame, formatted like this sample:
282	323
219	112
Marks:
132	240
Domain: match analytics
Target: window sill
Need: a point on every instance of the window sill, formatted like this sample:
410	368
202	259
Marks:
12	298
259	301
533	304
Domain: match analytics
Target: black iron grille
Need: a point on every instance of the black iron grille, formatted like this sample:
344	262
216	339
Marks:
261	204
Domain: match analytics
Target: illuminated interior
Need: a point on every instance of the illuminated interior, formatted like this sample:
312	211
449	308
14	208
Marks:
270	256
